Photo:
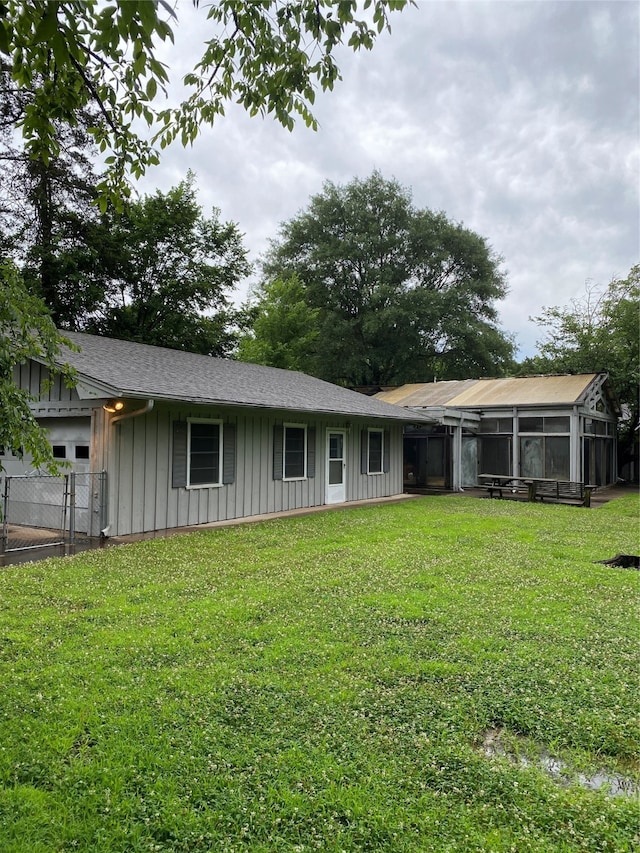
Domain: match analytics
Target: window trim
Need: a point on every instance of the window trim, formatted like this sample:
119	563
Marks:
285	427
220	424
371	473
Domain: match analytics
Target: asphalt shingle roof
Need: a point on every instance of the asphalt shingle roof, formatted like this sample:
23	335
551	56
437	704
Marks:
128	369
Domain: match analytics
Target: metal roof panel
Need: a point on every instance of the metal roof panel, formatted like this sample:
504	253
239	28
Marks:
524	391
426	394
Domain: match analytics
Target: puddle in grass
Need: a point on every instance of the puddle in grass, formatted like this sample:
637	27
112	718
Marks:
612	784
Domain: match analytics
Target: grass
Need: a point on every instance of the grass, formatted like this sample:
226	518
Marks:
326	683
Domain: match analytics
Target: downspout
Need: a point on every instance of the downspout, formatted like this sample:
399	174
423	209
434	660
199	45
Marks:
148	406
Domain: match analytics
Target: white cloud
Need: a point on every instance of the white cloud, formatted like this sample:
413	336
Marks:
520	119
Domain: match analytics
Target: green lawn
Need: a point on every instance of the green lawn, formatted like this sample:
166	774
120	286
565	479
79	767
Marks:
328	683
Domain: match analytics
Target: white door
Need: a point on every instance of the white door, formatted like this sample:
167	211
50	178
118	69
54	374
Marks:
336	466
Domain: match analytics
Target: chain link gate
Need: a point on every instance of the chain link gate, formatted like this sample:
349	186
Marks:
40	511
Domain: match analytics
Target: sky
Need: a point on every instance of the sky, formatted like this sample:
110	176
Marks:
519	119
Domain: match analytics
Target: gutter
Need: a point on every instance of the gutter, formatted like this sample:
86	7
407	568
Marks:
134	414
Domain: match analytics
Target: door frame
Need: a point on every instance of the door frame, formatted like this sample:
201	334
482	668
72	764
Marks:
332	494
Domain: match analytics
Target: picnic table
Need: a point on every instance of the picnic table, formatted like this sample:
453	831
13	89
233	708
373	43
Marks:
498	482
537	488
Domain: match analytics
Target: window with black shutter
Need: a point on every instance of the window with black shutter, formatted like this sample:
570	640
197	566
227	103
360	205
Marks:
203	454
295	452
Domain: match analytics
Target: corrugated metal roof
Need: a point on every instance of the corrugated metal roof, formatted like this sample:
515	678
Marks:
533	390
421	395
484	393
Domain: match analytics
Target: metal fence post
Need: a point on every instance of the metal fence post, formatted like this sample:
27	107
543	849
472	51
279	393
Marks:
72	508
65	502
103	500
5	506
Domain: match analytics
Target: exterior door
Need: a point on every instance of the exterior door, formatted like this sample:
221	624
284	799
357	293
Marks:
336	466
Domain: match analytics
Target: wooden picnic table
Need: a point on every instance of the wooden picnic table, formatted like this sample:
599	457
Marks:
537	488
497	482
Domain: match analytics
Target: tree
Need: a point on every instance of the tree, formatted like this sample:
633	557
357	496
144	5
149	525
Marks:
402	294
283	328
171	269
51	226
26	331
267	56
598	333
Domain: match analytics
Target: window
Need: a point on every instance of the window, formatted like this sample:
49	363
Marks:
82	451
295	452
204	453
560	424
375	453
59	451
495	454
546	424
504	425
545	456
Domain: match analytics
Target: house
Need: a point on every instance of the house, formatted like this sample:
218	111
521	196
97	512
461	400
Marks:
186	439
559	427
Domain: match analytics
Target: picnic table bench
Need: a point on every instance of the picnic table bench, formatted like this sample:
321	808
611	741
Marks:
561	491
537	488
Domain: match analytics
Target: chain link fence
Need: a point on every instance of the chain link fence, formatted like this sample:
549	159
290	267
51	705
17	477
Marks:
40	510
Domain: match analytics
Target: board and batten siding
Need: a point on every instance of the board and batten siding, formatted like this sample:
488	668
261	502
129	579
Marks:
139	464
35	378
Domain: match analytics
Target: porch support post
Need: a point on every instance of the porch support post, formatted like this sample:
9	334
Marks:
576	473
456	474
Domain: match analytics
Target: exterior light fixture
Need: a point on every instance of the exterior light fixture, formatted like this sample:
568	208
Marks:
113	406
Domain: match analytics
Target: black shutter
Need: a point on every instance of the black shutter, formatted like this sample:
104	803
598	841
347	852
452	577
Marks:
364	451
179	455
386	451
311	452
229	454
278	440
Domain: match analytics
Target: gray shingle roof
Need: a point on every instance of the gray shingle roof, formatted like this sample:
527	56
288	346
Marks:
128	369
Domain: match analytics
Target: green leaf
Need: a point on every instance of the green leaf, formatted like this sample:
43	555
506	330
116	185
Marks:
47	25
59	47
4	38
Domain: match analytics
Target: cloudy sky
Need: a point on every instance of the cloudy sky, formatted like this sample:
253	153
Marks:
518	118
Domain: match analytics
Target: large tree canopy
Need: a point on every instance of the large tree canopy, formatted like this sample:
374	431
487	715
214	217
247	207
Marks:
49	223
70	55
170	274
401	294
283	329
598	333
269	56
